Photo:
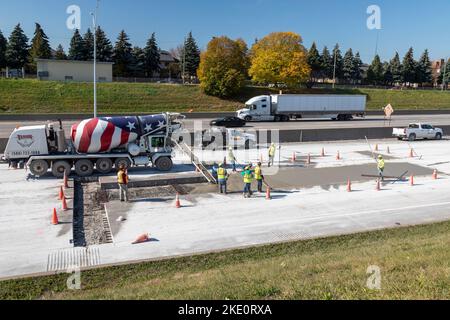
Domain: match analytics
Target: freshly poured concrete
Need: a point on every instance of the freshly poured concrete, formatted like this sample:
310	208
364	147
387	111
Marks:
307	202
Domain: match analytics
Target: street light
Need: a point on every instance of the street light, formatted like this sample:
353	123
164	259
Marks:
94	23
444	75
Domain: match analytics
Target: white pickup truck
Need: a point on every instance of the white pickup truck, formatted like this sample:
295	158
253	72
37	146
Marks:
418	131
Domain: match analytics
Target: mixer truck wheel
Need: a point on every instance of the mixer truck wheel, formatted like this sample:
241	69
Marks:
59	167
122	161
84	168
104	165
164	164
39	167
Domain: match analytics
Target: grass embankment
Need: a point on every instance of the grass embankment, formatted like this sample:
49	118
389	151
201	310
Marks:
32	96
414	262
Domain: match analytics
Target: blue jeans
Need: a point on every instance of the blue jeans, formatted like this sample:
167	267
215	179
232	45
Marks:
248	189
223	186
260	185
233	164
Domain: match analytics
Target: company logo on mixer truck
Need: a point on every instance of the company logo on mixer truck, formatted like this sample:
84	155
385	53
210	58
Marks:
25	141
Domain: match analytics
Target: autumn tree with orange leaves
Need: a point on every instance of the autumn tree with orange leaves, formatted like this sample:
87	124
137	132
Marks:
280	58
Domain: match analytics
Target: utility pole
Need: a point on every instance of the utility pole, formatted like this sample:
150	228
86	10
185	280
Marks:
334	69
94	23
184	60
444	75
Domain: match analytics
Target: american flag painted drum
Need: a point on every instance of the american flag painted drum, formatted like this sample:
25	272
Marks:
105	134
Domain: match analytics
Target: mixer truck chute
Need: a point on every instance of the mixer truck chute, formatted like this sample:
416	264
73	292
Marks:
98	143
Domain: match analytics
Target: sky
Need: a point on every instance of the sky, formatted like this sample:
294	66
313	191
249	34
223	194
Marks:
404	23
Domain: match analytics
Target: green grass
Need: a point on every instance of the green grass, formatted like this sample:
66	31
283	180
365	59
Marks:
32	96
414	262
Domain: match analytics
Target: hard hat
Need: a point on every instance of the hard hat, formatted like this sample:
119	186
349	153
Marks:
259	164
220	165
230	148
380	157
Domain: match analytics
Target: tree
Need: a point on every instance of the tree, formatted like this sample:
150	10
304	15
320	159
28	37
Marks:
77	48
40	47
357	65
387	74
424	71
326	63
337	57
138	62
104	47
375	73
395	66
88	44
17	49
280	58
348	65
122	55
3	46
190	56
60	54
409	67
445	69
151	56
314	62
223	67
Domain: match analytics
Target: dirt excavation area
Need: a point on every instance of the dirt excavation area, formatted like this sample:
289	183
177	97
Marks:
308	199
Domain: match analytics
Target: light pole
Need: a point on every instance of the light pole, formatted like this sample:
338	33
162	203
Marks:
444	75
94	23
334	68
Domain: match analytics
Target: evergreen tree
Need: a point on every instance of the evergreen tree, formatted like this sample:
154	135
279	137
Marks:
60	54
138	62
375	73
395	66
314	62
409	67
387	74
17	49
122	55
191	56
357	65
40	47
337	57
76	51
326	63
151	56
424	72
3	46
348	66
88	44
104	47
445	69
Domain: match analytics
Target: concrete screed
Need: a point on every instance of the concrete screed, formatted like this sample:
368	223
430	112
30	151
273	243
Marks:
308	202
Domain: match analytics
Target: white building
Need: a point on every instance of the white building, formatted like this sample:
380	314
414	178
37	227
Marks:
70	70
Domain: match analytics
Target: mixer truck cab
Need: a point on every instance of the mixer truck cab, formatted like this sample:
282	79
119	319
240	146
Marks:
99	144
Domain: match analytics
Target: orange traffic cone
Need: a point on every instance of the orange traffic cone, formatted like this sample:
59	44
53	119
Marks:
411	153
338	156
268	196
66	180
61	193
378	188
141	239
64	204
323	152
349	186
177	201
435	175
294	157
411	181
55	220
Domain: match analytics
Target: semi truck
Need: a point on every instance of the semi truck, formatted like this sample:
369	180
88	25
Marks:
284	107
98	143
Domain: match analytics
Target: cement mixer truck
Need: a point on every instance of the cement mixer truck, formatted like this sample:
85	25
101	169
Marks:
95	144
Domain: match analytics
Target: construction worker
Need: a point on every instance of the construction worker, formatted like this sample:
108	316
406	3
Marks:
222	177
248	175
259	176
381	166
232	158
272	151
122	180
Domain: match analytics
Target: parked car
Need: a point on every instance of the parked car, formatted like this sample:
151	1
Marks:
228	122
418	131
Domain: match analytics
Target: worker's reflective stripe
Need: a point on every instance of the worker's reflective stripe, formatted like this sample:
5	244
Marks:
258	173
221	174
272	151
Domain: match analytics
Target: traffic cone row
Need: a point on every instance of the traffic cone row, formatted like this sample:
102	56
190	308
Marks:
55	220
268	196
66	180
61	193
349	186
435	175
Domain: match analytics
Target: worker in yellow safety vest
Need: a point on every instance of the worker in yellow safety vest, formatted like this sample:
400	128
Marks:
222	177
259	176
381	165
248	176
122	180
272	151
232	158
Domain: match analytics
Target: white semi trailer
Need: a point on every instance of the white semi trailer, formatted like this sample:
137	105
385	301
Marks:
285	107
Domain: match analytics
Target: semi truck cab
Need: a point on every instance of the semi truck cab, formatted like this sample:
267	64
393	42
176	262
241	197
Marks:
257	109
